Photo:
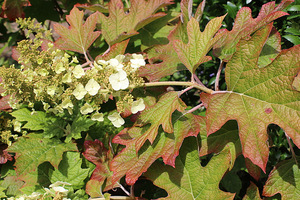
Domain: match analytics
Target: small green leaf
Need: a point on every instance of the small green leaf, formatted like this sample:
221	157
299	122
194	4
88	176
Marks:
80	123
32	150
252	193
284	179
70	171
293	39
38	120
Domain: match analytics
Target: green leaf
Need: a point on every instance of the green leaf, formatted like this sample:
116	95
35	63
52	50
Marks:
244	25
159	114
271	49
38	120
70	171
119	25
78	37
252	193
189	180
257	97
36	180
284	179
80	123
166	145
32	150
199	43
12	185
293	39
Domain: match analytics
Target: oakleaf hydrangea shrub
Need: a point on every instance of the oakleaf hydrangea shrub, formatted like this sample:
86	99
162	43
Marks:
91	111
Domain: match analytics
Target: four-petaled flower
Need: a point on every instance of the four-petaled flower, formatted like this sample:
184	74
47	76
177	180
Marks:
119	80
67	103
78	71
137	106
97	117
59	68
51	90
137	61
115	64
86	109
92	87
79	92
116	119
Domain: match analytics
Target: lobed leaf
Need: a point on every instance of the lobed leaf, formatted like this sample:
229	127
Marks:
159	114
189	180
244	25
12	9
32	150
131	163
39	120
257	97
199	43
119	25
284	179
69	170
78	37
101	157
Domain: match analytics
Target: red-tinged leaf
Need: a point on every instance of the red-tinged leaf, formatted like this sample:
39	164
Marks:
159	114
115	49
257	97
199	43
13	9
284	179
253	169
78	37
163	59
189	180
199	11
101	157
296	82
120	25
33	150
4	156
252	193
132	164
244	25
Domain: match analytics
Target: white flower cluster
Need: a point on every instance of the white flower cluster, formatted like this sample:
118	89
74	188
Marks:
56	189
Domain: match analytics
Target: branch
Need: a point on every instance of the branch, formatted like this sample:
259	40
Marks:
291	147
179	83
218	76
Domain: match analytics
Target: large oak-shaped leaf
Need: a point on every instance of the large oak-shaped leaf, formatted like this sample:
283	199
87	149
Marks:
257	97
284	179
159	114
189	180
199	43
78	37
120	25
166	145
33	149
244	25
